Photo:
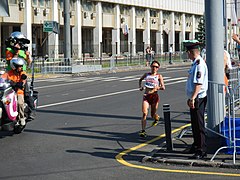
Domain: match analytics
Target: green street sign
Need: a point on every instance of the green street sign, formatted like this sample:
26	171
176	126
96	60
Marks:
51	26
48	26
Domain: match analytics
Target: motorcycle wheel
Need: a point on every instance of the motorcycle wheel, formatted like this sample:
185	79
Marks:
18	129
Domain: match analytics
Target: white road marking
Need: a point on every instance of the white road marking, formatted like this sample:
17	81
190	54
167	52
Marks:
173	79
98	79
98	96
86	98
120	79
134	79
63	84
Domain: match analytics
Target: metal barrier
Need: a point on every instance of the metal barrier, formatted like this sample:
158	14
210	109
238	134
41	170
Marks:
51	65
45	65
229	111
234	81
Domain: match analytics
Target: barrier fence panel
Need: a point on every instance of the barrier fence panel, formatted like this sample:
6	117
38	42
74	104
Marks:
52	65
227	126
234	81
45	64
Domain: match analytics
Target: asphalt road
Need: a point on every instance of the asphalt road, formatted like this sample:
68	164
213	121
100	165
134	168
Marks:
87	128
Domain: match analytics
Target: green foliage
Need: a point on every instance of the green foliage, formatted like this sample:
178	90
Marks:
201	36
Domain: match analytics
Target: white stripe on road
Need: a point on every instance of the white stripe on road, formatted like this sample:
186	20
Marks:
173	79
87	98
64	84
98	96
134	79
121	79
97	79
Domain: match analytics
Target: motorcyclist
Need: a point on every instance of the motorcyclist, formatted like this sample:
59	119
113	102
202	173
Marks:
17	79
16	47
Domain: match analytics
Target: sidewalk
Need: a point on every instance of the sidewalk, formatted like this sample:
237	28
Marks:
179	156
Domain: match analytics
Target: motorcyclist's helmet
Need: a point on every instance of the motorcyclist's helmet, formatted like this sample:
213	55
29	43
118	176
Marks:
20	37
16	62
17	37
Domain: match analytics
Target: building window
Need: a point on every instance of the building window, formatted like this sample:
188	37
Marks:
125	10
87	5
153	13
47	3
41	3
61	4
12	1
72	4
108	8
140	12
35	2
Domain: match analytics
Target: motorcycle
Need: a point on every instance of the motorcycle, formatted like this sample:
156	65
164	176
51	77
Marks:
8	107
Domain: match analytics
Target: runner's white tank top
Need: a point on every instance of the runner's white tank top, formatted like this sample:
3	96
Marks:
151	80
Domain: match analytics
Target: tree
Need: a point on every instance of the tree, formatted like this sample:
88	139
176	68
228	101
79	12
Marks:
201	35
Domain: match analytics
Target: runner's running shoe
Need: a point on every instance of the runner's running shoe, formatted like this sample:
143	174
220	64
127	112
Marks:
155	122
142	133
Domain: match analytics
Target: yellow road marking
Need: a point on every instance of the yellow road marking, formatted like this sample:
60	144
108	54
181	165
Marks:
120	159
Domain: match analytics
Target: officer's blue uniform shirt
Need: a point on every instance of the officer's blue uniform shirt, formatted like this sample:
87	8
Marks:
197	74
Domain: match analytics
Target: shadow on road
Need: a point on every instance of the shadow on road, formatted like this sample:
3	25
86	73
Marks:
173	119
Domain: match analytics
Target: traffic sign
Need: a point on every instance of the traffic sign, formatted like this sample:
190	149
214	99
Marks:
48	26
56	27
51	26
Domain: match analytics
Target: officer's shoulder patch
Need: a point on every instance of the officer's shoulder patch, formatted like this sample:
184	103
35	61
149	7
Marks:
199	74
198	61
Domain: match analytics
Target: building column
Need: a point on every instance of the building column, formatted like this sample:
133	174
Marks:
193	29
53	41
159	34
97	31
116	32
146	32
77	32
26	27
171	39
183	33
132	32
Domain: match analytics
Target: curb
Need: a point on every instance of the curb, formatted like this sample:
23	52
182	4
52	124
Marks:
195	163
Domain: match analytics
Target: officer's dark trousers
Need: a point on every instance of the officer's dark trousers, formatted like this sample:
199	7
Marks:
198	124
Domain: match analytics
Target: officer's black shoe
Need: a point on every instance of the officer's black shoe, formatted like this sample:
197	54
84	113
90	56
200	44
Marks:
192	150
199	155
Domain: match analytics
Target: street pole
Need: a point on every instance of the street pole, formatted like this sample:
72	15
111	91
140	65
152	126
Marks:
226	24
67	44
236	7
214	42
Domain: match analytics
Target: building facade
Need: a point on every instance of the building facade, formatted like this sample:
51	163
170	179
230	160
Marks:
104	27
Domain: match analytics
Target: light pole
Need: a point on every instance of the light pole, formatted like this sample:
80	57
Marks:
214	44
67	44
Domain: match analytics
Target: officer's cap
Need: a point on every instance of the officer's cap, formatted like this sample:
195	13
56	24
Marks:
191	45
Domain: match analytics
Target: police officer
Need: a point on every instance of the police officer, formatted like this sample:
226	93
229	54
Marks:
196	88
